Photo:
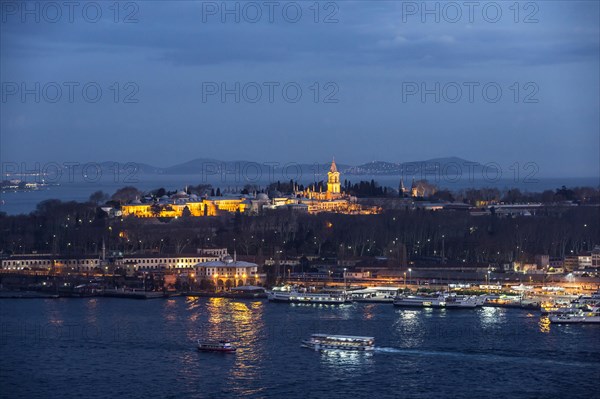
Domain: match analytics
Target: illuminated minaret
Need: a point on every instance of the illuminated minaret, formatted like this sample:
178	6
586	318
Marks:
333	179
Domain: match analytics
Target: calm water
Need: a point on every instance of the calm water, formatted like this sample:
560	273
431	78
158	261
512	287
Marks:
103	347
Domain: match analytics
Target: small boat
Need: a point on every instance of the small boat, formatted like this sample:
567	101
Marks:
216	346
339	342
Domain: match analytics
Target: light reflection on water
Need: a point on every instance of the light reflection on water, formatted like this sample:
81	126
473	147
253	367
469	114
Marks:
55	312
492	317
544	324
154	353
243	323
91	311
169	309
345	363
368	313
408	328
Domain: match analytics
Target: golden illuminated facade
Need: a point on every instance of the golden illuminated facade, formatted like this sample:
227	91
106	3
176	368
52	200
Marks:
333	180
333	200
205	207
334	188
422	188
309	200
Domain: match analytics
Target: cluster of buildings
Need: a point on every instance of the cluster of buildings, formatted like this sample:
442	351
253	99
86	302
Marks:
584	263
215	265
308	201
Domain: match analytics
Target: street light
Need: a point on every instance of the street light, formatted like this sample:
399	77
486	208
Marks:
344	277
410	274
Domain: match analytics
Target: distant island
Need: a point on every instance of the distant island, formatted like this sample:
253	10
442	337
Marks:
445	166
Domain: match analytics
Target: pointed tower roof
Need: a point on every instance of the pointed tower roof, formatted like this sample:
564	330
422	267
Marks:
333	168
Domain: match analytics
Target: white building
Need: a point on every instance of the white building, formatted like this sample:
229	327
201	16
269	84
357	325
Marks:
228	272
48	262
163	262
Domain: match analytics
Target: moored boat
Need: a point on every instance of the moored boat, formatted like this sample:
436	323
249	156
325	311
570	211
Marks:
420	301
462	302
577	316
296	296
216	346
339	342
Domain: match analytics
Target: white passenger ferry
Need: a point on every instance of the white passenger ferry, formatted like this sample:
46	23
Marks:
577	316
339	342
462	301
420	301
216	346
293	295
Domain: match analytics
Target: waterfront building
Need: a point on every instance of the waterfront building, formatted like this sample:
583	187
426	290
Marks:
162	262
48	262
131	263
229	272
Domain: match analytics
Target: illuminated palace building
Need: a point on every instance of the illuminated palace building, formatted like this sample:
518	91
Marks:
332	200
309	201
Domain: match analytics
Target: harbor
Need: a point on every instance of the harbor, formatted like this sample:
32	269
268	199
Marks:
411	346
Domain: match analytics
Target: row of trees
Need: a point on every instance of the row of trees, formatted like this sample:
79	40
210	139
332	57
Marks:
82	228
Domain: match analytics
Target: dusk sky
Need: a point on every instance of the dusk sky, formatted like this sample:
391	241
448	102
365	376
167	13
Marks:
367	62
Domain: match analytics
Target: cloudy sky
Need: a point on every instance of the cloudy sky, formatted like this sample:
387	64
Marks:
379	80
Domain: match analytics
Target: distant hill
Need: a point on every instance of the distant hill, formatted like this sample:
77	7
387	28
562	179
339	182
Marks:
210	166
448	165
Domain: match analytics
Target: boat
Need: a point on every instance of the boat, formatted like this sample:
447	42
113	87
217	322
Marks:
505	301
592	299
481	299
296	296
420	301
216	346
577	316
339	342
462	301
373	295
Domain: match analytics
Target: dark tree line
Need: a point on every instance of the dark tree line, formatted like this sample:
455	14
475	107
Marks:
82	228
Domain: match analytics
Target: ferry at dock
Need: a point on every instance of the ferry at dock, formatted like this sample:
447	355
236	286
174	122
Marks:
577	316
462	301
420	301
293	295
374	295
216	346
320	342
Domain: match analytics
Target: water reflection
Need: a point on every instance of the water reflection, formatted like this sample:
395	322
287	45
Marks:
345	363
243	323
55	313
408	330
169	309
91	315
492	317
544	324
368	313
193	306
